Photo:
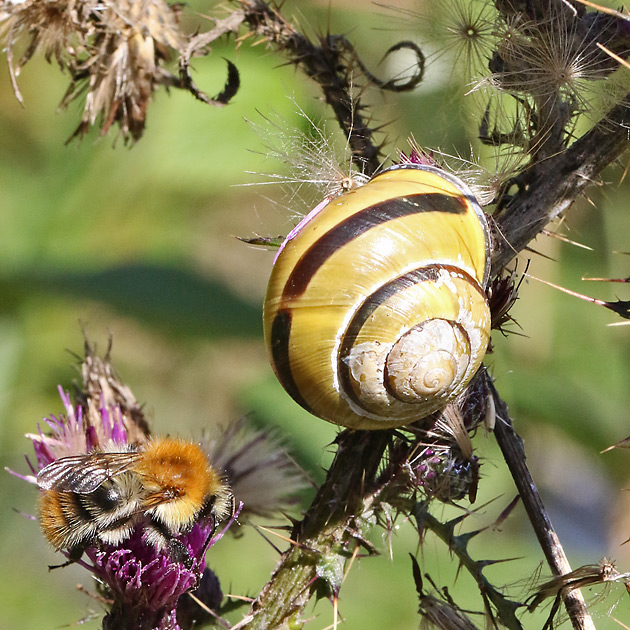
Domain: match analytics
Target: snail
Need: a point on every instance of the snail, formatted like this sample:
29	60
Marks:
376	312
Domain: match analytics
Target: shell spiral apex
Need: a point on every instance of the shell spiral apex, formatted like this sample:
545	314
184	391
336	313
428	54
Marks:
376	313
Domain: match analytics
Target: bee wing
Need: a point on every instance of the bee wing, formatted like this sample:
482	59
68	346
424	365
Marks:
84	473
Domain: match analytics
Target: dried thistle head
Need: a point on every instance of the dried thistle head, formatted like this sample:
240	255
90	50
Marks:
461	31
115	51
555	56
604	572
548	74
437	608
51	26
128	46
102	388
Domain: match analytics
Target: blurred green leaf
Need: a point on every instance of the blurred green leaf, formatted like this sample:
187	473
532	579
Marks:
180	301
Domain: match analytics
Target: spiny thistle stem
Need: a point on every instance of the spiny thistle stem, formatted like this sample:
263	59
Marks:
321	64
514	454
328	535
457	545
330	64
549	188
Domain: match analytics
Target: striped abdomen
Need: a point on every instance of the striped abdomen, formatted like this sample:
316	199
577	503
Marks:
376	313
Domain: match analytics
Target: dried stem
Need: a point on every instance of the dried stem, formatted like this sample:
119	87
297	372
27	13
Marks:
547	189
514	453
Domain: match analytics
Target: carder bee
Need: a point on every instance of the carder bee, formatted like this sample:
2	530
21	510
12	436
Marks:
164	487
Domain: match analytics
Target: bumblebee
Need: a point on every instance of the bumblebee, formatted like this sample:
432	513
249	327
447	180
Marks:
164	487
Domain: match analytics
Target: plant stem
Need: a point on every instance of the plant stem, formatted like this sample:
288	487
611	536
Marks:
327	536
511	446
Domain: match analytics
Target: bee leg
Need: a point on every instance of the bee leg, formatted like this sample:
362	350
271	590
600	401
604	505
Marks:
207	508
161	537
210	535
179	553
74	555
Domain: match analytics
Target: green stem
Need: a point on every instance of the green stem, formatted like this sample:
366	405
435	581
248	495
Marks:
328	535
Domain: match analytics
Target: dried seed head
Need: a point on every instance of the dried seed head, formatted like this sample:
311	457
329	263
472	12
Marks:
468	31
260	472
113	51
555	57
318	162
588	575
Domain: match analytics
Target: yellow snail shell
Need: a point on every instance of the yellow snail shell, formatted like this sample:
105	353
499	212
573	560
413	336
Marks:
376	313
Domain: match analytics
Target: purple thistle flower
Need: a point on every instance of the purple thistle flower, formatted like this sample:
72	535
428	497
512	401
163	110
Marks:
143	561
146	584
71	434
140	512
144	581
418	156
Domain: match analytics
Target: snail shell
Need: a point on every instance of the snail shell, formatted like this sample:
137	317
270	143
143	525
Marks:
376	313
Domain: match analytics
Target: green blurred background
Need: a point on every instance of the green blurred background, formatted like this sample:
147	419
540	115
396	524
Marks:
141	243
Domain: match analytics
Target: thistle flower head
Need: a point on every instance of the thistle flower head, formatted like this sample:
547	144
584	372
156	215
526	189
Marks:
262	476
444	465
418	155
435	456
140	512
444	473
71	433
144	581
108	519
144	585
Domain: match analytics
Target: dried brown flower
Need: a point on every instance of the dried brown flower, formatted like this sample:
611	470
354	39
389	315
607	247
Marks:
115	52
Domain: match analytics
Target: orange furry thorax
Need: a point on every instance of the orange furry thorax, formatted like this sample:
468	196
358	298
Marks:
179	477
